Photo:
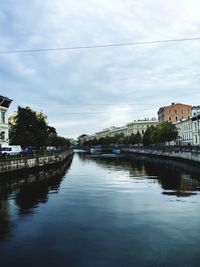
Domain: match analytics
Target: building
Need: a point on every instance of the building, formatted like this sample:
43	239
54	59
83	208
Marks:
195	111
185	130
104	133
4	127
174	112
131	128
141	125
189	130
196	125
119	130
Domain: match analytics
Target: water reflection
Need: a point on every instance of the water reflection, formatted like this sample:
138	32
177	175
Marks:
28	191
4	219
175	178
109	212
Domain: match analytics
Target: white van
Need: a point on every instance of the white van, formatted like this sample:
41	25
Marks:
10	150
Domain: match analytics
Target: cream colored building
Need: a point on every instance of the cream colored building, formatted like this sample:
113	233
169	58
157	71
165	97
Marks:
4	127
141	125
119	130
131	128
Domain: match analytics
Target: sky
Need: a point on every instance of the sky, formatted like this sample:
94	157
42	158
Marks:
85	90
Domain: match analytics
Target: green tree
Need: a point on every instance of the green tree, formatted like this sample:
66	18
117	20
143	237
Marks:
31	129
160	134
168	132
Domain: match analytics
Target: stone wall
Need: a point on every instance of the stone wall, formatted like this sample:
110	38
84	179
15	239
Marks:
187	153
13	164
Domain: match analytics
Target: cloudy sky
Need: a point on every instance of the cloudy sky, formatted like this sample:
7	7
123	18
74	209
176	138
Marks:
83	91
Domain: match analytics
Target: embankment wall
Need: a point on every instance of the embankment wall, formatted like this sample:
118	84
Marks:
170	152
24	163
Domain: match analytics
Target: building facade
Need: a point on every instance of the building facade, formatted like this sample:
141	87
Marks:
4	127
196	125
119	130
141	125
185	130
195	111
131	128
174	113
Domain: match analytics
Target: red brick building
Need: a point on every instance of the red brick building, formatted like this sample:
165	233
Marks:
174	112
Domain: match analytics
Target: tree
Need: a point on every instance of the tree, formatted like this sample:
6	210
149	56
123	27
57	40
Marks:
28	129
160	134
31	129
168	132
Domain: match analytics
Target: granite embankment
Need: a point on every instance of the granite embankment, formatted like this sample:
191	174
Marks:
11	164
175	152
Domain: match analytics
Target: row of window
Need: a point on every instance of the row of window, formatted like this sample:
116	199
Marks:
176	118
187	136
178	111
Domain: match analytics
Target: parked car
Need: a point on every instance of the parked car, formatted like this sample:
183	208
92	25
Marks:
29	150
10	150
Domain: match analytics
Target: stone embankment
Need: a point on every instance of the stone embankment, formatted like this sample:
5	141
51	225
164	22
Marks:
184	153
11	164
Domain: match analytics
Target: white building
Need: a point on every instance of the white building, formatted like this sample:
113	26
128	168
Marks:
196	129
185	129
4	128
195	111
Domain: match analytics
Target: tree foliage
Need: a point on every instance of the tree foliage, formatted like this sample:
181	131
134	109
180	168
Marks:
160	134
31	129
154	135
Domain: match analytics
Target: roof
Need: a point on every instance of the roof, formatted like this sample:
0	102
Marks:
5	101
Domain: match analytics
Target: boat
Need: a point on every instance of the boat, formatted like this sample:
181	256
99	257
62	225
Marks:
116	150
96	150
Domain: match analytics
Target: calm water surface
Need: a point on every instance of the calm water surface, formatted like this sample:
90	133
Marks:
102	212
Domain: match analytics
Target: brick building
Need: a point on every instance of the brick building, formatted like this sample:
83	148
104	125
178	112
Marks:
175	112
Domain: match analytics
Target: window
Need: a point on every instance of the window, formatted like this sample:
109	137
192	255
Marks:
3	116
3	136
182	111
176	118
170	118
175	111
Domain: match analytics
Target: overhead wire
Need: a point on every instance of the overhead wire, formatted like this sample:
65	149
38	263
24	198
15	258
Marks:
98	46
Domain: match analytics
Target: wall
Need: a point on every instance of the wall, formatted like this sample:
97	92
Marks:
186	153
7	165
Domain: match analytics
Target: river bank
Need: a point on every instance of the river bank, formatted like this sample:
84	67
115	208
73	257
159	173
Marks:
22	163
191	154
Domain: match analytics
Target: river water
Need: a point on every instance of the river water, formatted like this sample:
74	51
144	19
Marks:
102	212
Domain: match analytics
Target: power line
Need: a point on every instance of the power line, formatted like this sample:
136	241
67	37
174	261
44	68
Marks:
98	46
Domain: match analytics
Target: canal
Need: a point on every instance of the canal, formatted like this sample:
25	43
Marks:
102	212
